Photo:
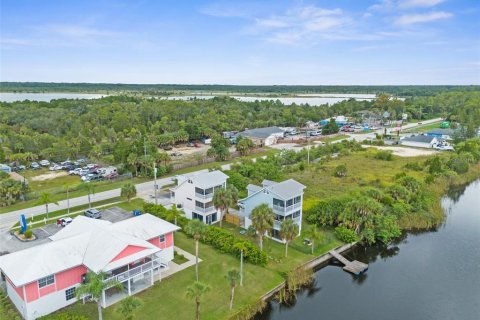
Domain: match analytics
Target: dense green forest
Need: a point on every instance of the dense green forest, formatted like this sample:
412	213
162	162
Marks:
165	89
116	129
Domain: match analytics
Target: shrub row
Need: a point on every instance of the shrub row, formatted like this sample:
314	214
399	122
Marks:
165	214
220	239
226	242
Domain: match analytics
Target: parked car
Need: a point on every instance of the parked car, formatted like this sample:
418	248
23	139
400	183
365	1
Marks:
91	177
111	176
20	168
55	167
75	171
92	166
93	213
44	163
175	154
34	165
64	221
83	172
166	148
80	161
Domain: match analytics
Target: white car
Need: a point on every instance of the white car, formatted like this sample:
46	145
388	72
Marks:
64	221
55	167
92	165
44	163
445	148
75	171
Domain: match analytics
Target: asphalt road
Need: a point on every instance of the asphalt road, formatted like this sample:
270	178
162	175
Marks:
7	220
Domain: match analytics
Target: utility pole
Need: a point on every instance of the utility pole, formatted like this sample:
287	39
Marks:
155	182
308	147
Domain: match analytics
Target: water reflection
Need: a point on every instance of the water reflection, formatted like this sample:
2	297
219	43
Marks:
431	279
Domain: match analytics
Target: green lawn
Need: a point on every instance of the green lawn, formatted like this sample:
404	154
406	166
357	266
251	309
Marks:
424	128
336	138
167	299
57	188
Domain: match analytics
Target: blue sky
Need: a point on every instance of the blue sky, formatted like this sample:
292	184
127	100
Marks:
242	42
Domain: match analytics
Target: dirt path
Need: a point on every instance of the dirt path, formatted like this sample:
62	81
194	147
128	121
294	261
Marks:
405	151
49	176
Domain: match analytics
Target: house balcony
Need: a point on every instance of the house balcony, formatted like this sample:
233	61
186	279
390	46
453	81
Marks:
284	210
133	281
130	273
204	210
204	196
277	224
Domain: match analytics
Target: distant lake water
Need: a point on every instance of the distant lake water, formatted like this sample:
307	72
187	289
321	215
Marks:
311	99
46	97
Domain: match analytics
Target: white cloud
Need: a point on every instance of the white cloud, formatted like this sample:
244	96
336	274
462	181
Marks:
75	31
419	3
408	19
301	24
391	5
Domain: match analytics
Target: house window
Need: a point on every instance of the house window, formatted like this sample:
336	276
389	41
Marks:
197	216
277	202
46	281
162	238
70	293
289	202
298	199
296	214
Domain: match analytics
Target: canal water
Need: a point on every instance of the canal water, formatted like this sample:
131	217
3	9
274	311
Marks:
432	275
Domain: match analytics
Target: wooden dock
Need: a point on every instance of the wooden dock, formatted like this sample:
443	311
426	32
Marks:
355	267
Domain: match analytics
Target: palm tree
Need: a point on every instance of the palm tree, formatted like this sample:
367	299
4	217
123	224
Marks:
232	195
288	231
196	228
242	247
94	287
262	220
313	235
45	199
90	188
172	214
221	201
196	291
232	277
128	306
128	191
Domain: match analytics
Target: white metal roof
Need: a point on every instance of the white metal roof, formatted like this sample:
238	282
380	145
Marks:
85	241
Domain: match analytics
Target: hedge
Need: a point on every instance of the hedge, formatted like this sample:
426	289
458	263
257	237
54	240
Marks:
226	242
220	239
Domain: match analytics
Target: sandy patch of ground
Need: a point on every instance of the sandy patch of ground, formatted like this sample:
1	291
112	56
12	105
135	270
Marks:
405	151
49	176
16	176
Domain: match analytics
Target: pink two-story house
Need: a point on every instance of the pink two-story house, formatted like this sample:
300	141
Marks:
43	279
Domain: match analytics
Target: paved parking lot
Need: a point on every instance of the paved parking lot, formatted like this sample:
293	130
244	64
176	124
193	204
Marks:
9	243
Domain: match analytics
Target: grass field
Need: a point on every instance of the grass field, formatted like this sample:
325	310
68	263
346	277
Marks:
424	128
336	138
159	299
362	168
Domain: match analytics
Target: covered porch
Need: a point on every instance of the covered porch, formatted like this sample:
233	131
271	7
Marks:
134	278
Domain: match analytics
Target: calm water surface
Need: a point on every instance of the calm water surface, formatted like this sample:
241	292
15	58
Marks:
426	276
47	97
311	99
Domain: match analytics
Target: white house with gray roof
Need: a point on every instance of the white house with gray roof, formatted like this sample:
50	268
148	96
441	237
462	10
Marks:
285	198
263	136
420	141
194	194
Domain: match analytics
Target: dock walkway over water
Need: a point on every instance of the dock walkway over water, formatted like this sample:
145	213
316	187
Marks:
355	267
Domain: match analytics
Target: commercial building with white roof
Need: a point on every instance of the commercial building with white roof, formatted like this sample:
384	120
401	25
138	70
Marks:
285	198
43	279
194	194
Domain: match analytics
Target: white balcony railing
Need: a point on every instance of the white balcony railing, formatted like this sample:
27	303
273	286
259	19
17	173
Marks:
204	210
204	196
147	266
284	210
